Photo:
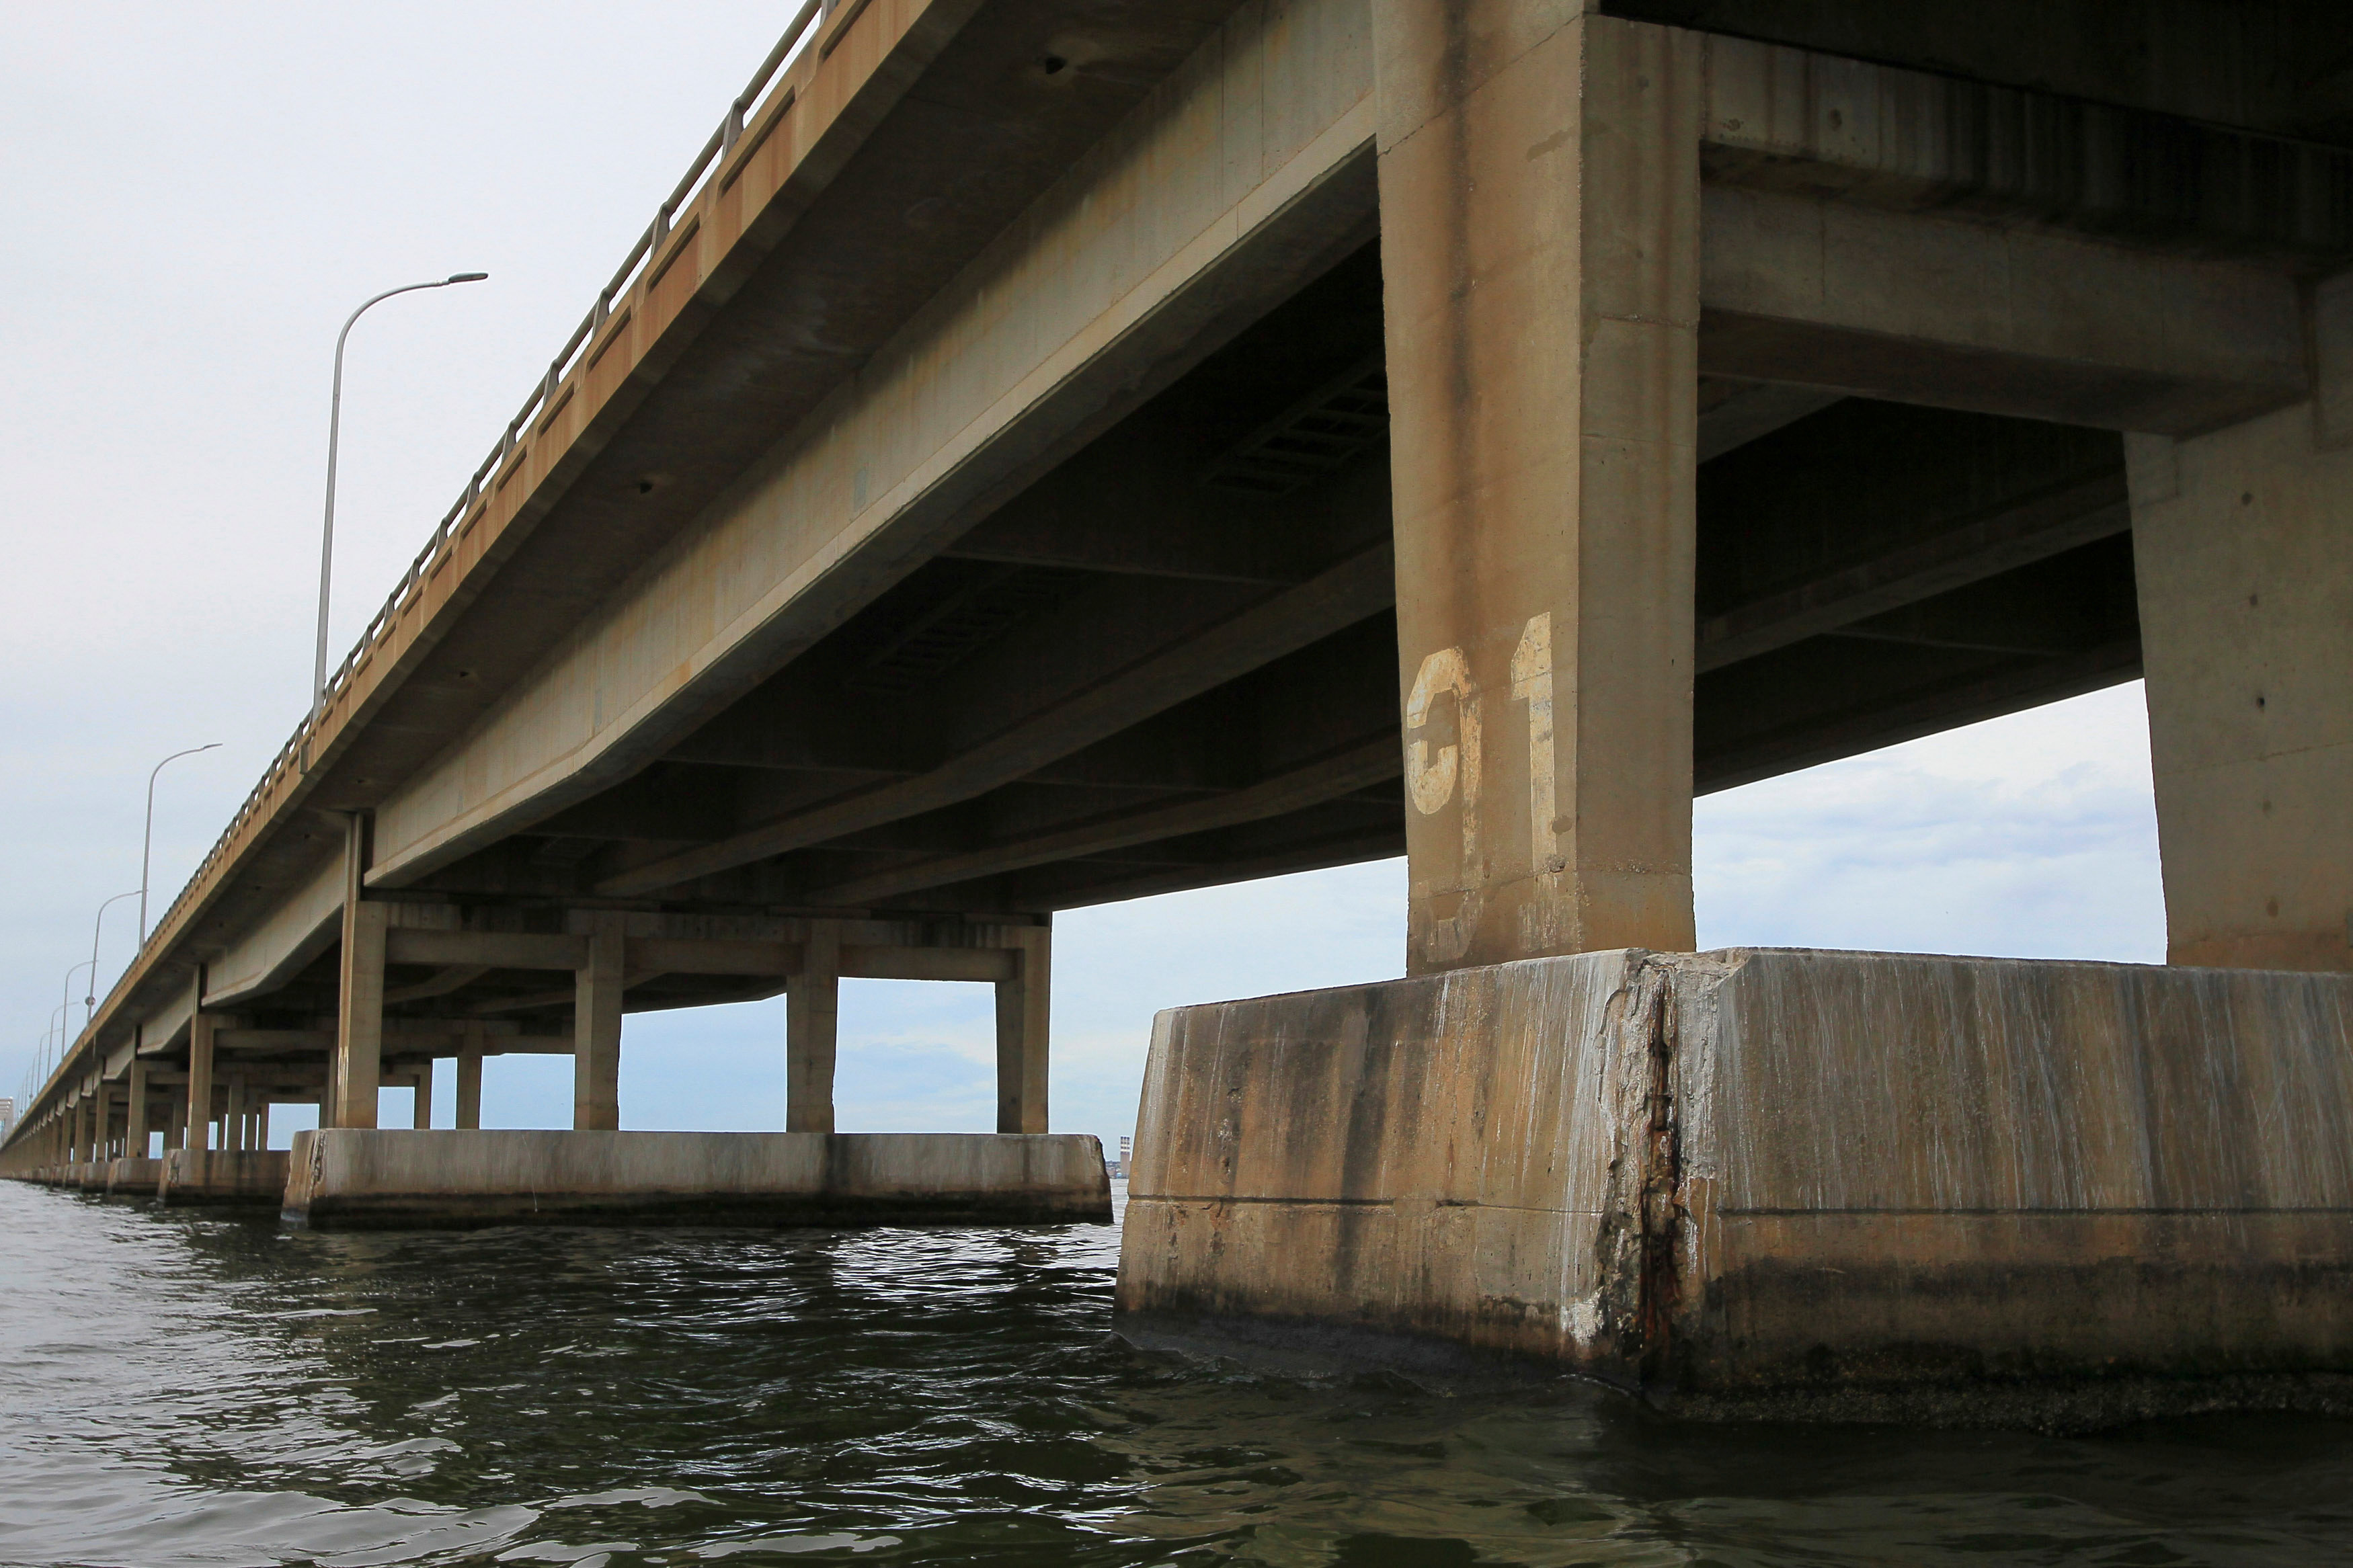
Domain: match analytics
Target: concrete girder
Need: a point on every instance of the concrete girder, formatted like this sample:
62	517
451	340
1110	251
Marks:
1231	647
1925	308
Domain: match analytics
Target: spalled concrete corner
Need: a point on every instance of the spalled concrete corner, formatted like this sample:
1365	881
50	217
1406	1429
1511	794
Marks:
1770	1177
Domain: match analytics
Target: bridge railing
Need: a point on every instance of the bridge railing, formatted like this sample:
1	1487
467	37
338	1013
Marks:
293	757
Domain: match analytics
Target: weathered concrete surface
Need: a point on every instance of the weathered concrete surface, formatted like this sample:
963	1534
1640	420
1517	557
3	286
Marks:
1542	327
2242	547
222	1176
133	1176
1768	1174
363	1178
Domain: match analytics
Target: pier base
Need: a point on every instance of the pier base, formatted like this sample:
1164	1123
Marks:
133	1176
353	1178
222	1176
1809	1182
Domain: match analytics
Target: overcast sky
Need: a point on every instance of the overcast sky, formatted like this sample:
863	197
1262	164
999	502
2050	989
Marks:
196	197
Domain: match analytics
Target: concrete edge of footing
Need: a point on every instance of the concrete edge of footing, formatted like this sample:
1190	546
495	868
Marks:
371	1179
1306	1348
701	1210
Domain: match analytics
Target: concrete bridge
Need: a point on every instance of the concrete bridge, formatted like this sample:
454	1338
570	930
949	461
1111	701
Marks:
1051	451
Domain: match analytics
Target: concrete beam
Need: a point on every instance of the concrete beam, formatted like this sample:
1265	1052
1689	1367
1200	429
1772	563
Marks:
1922	566
489	950
1207	658
1928	309
1325	779
1870	134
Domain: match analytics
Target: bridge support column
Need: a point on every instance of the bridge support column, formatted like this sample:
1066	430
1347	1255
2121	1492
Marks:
135	1129
1021	1034
812	1022
233	1115
196	1094
597	1030
102	1124
469	1082
1539	191
2243	544
359	1019
422	1116
261	1124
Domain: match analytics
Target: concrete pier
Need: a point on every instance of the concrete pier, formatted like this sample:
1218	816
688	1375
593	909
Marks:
351	1178
222	1176
1868	1183
133	1176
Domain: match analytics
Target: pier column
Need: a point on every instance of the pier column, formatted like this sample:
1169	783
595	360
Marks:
261	1123
359	1013
1021	1032
197	1093
812	1018
1539	191
596	1029
135	1130
422	1116
104	1145
2243	544
469	1082
233	1115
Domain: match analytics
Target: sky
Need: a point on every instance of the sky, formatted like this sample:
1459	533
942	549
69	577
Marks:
198	196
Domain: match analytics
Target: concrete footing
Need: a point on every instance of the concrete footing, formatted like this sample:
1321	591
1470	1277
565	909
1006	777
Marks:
133	1176
222	1176
351	1178
1810	1182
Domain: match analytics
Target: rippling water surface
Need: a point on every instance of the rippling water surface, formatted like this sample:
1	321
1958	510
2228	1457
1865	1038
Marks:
190	1389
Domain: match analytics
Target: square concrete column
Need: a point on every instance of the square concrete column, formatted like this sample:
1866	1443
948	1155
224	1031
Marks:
358	1070
198	1099
1021	1032
469	1080
135	1130
597	1030
1540	220
812	1021
233	1115
261	1124
422	1117
2242	544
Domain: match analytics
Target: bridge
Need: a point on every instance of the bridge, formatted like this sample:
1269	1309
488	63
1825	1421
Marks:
1045	452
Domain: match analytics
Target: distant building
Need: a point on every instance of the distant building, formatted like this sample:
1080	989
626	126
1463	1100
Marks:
1127	1152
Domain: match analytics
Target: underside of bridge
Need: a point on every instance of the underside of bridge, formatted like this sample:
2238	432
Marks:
1868	571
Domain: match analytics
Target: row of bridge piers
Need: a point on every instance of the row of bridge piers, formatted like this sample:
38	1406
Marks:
188	1118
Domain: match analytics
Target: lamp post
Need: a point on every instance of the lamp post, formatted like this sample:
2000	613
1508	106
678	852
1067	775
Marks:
147	842
64	1014
327	534
90	1000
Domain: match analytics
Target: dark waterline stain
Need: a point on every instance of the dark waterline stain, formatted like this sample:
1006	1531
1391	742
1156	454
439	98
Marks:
178	1389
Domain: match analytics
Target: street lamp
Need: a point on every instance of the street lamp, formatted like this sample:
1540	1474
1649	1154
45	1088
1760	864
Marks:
147	843
65	1007
90	1000
327	536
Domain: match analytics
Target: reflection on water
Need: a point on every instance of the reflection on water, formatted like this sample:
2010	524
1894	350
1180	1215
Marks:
200	1390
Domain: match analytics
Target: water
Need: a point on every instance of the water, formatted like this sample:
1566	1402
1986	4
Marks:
178	1388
